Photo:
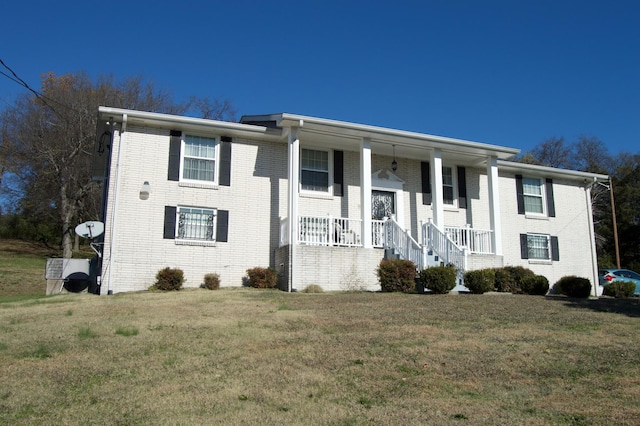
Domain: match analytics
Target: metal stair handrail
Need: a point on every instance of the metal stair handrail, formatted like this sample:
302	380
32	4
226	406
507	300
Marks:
400	240
442	245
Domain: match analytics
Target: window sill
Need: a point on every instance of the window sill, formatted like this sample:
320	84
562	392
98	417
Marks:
540	262
199	243
198	185
536	217
451	209
319	195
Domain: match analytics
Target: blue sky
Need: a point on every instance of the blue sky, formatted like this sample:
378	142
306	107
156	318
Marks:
504	72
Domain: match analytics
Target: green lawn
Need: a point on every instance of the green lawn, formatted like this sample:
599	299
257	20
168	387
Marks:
247	356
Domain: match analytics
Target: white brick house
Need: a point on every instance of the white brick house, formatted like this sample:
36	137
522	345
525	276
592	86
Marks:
320	200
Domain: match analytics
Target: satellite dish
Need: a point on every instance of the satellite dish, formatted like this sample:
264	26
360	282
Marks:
90	229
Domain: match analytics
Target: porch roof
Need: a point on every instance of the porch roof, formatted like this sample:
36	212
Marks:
346	135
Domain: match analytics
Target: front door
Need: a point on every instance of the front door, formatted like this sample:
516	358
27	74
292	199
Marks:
382	204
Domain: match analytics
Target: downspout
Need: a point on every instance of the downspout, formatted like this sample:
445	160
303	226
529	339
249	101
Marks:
592	239
116	194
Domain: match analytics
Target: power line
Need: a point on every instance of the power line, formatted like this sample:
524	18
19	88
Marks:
16	79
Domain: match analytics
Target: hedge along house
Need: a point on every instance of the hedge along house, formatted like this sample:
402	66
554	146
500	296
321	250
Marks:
323	201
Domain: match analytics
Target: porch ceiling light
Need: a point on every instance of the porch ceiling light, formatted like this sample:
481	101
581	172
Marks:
394	163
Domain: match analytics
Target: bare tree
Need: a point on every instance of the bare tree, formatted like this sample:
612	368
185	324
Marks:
48	137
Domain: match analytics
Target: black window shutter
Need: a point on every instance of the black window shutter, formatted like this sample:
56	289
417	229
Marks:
222	226
174	155
555	249
551	206
170	222
225	161
520	195
462	188
426	182
338	173
524	247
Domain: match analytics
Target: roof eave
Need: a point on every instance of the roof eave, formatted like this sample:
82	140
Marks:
551	171
188	123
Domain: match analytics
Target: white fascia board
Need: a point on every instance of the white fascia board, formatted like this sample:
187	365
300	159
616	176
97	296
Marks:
189	123
386	135
535	169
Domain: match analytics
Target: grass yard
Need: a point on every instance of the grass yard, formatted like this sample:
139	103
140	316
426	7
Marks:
246	356
22	267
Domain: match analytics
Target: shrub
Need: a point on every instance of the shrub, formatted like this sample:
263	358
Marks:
211	281
480	281
262	277
504	281
536	285
397	275
313	288
438	279
573	286
518	274
619	289
169	279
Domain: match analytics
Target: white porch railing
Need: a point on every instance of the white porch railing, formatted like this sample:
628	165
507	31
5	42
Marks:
377	233
401	241
444	246
475	240
327	230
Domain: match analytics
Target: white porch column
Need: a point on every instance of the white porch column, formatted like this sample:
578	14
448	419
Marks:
494	205
294	178
365	191
437	201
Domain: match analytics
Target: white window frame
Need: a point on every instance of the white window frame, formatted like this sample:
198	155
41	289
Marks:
213	211
454	186
216	159
541	196
329	171
530	248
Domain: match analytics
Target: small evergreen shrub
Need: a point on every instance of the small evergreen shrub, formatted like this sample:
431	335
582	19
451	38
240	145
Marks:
262	277
573	286
518	274
504	281
537	285
169	279
313	288
438	279
212	281
480	281
397	275
619	289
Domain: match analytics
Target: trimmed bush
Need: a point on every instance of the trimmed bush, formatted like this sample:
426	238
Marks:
619	289
537	285
313	288
169	279
504	281
212	281
480	281
262	277
573	286
518	274
438	279
397	275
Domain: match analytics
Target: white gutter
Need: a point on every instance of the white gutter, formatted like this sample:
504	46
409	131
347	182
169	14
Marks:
116	194
145	117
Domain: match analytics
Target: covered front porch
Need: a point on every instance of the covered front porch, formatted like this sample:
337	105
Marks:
386	189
